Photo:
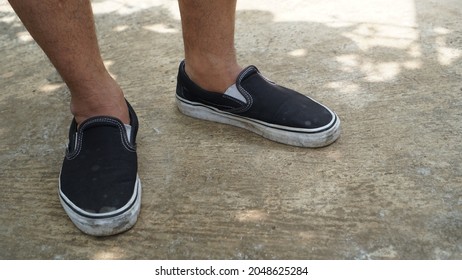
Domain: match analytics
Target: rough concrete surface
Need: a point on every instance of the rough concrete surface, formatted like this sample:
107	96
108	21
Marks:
389	188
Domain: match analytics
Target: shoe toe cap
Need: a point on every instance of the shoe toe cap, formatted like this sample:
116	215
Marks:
304	113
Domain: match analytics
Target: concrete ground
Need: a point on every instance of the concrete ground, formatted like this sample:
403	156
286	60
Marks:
389	188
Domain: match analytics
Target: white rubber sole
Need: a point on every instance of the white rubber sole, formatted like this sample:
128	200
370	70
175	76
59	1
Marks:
309	138
107	223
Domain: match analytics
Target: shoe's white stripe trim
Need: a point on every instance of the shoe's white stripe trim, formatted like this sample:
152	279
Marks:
99	215
245	119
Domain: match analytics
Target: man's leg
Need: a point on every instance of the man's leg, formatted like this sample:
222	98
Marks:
208	33
99	186
66	33
212	86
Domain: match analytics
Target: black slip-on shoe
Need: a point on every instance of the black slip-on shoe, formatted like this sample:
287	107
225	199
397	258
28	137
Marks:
259	105
99	187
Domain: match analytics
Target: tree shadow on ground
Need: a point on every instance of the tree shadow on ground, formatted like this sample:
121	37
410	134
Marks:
396	88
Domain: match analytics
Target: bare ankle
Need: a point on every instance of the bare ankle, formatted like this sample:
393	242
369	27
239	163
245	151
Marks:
92	103
215	77
116	111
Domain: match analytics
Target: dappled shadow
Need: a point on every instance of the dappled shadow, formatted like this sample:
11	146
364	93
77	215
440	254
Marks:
211	191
